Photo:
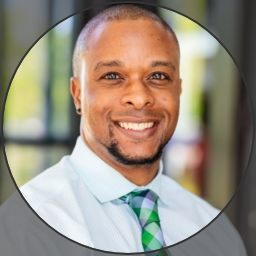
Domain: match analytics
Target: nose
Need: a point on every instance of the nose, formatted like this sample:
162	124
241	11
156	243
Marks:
138	95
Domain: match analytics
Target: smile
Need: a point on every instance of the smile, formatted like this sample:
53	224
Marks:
137	129
136	126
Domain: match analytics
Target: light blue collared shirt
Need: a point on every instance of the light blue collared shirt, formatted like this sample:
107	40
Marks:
79	198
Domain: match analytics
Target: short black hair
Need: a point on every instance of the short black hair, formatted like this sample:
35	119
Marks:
114	13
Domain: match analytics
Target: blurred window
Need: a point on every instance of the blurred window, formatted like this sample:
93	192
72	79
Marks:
37	120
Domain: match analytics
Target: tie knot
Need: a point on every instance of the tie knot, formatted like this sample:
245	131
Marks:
144	204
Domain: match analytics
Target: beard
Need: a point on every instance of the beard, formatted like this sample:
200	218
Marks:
134	160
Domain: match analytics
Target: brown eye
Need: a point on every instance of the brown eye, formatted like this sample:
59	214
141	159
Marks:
111	76
158	76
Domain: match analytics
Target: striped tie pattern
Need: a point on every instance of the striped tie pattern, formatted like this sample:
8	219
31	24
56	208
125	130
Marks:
144	204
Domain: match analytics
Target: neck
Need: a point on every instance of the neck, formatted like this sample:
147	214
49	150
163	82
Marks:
139	175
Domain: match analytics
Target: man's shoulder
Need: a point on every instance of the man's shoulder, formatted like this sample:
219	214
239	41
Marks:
55	195
50	183
176	195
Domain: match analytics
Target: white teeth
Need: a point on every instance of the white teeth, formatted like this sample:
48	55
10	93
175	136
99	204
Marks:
136	126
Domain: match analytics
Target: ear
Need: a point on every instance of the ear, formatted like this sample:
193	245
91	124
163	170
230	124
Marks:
75	89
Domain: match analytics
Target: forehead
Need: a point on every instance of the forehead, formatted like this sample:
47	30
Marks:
131	39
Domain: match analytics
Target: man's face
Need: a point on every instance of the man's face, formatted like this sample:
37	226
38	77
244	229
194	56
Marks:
129	89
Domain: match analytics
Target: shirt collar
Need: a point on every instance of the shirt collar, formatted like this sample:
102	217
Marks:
103	181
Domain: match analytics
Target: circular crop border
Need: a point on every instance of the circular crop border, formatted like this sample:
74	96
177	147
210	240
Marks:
142	3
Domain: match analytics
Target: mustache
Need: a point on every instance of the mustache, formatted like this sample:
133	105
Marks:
138	113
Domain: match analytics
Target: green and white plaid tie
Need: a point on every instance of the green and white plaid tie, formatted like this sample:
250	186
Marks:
144	204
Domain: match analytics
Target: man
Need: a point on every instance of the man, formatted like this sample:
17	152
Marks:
110	194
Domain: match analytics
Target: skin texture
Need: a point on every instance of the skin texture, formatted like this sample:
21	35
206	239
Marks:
130	73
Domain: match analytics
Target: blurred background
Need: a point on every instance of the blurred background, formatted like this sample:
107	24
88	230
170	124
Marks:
210	149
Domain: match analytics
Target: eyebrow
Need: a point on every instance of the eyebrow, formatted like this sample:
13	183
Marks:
162	63
117	63
113	63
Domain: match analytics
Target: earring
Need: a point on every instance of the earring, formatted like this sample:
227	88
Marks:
78	110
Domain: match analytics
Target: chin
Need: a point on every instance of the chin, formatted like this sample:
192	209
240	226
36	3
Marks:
133	158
